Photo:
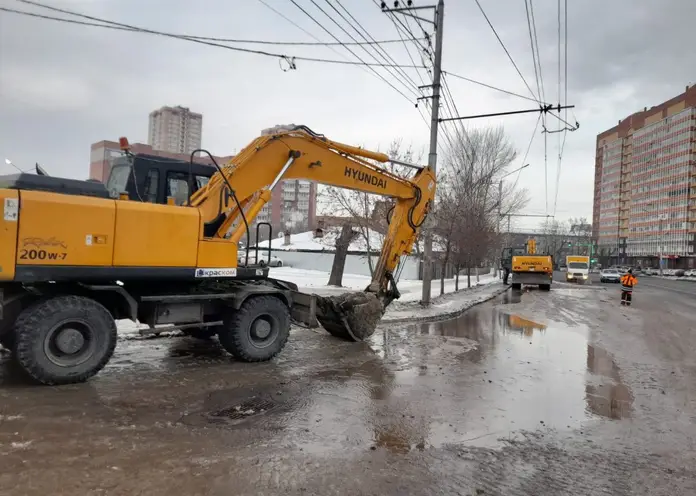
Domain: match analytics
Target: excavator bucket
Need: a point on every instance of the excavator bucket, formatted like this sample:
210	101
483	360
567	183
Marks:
350	316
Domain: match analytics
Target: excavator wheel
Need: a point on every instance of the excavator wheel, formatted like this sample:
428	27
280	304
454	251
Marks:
516	285
257	331
64	339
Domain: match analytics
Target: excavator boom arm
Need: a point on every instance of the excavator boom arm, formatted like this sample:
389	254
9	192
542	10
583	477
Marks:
301	154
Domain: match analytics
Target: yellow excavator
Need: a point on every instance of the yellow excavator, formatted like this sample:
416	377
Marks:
75	256
532	268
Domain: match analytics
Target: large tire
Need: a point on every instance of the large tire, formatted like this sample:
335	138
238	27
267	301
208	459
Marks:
65	339
545	287
516	285
257	331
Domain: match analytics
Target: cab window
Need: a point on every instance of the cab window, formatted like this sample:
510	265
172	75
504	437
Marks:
151	185
177	186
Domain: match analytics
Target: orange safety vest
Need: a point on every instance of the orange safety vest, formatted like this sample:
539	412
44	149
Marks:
628	281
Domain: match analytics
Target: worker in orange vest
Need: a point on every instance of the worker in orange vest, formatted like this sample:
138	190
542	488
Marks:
628	280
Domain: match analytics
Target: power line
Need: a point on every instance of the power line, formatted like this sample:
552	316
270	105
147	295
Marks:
543	110
351	51
406	28
529	147
534	45
463	136
408	52
546	174
538	54
506	51
378	49
565	131
128	27
212	38
312	35
531	44
512	93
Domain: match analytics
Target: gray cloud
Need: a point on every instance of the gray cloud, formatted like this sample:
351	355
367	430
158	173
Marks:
63	87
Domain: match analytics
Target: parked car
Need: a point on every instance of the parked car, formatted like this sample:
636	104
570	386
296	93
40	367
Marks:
263	259
678	272
610	275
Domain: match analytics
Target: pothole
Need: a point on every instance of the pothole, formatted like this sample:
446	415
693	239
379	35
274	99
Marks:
253	406
229	408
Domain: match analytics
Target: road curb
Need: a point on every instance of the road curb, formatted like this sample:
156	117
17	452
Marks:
447	315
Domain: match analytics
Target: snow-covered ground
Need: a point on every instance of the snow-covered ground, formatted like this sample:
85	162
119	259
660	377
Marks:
307	241
314	281
405	308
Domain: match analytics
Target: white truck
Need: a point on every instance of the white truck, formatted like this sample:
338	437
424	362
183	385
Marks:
578	268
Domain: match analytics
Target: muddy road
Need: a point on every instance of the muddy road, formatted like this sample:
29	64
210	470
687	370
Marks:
535	393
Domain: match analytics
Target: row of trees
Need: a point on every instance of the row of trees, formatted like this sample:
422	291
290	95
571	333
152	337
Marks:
471	198
571	237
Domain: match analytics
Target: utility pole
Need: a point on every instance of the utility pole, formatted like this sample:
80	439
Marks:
432	156
412	11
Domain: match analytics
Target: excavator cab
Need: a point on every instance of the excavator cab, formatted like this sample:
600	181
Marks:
154	179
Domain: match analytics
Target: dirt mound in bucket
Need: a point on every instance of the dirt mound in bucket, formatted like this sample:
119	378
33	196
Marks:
351	316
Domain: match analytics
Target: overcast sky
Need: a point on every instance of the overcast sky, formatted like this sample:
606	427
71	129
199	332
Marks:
63	87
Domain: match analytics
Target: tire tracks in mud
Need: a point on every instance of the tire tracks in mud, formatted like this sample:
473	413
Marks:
540	466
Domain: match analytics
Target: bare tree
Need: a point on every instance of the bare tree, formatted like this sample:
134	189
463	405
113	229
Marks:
369	212
555	234
468	210
339	261
581	233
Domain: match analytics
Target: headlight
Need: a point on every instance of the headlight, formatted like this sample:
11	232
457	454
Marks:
584	276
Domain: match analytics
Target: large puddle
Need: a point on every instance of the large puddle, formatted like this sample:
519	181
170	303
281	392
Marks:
486	375
489	374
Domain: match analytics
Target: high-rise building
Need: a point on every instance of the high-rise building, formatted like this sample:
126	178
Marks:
175	130
645	186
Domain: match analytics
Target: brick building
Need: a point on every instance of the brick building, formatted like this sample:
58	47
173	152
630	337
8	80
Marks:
645	186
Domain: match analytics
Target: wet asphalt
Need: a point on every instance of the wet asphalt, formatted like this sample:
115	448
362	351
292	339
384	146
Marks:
560	392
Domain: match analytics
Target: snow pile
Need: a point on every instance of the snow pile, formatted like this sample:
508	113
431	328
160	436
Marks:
314	281
307	241
448	305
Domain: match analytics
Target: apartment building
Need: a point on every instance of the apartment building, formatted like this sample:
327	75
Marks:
645	186
175	130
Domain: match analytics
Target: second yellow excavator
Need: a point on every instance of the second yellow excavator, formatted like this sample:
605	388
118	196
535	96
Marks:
75	256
